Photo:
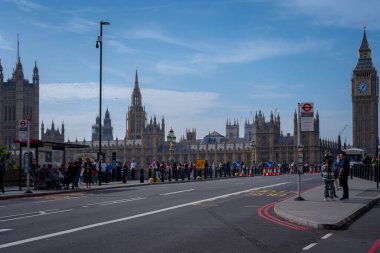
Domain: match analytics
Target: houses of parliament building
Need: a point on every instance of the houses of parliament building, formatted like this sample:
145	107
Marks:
145	140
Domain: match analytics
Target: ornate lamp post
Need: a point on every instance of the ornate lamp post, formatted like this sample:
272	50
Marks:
253	157
171	139
99	43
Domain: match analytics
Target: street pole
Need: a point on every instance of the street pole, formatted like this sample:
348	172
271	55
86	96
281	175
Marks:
100	41
299	158
27	161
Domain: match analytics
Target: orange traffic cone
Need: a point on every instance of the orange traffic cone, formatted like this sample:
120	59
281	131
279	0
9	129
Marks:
242	173
250	172
264	172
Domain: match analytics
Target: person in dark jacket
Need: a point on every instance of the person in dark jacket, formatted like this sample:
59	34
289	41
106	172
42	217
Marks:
142	176
343	175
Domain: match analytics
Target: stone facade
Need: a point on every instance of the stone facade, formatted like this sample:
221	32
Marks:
53	134
107	129
365	100
18	97
145	141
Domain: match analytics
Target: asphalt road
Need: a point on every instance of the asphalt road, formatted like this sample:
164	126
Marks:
232	215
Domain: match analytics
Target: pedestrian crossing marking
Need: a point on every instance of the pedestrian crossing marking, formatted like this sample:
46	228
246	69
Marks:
269	193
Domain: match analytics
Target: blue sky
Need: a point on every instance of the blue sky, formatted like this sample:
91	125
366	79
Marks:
199	62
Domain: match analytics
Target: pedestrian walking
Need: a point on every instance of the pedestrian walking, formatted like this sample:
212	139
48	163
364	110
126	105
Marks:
343	175
142	176
125	172
337	164
87	172
133	169
328	178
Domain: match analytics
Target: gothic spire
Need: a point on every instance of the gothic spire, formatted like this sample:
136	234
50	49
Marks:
136	80
365	45
18	48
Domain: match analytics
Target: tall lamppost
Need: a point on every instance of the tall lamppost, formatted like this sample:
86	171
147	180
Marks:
171	139
99	43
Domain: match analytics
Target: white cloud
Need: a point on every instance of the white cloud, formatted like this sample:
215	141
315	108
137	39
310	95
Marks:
255	50
71	103
4	44
346	13
155	34
80	25
239	52
120	47
25	5
270	92
176	68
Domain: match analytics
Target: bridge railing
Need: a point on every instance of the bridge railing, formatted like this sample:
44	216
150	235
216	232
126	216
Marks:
367	172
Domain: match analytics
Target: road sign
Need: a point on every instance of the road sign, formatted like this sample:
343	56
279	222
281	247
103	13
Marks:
28	117
307	124
200	164
307	109
22	124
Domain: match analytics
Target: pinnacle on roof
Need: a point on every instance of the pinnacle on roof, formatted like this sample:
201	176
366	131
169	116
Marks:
365	45
136	80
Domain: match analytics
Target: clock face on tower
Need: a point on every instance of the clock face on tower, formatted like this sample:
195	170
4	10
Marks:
362	88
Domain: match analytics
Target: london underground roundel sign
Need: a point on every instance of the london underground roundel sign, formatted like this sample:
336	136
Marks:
307	107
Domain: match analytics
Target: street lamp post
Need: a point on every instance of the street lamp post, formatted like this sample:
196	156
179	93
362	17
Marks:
171	139
99	43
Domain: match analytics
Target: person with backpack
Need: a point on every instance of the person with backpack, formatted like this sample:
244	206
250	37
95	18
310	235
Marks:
328	178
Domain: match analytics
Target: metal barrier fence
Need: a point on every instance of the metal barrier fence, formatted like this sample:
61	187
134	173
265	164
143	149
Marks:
367	172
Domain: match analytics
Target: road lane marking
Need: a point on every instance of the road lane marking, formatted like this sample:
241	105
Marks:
5	230
327	236
113	202
69	231
170	193
20	214
264	213
374	247
40	213
309	246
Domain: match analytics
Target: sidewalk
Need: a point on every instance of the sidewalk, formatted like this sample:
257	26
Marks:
14	192
331	214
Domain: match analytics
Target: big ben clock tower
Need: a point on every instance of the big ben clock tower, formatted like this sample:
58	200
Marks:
365	100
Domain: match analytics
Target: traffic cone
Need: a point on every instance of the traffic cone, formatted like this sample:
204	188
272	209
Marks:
270	172
250	172
264	172
279	171
242	173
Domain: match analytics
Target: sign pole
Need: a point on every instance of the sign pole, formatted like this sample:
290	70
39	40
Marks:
299	155
27	161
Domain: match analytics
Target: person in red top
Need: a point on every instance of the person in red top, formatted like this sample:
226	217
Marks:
125	172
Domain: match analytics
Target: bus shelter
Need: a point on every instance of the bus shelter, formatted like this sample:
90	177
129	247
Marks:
44	152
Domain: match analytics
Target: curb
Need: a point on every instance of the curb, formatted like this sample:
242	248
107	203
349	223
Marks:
337	226
107	187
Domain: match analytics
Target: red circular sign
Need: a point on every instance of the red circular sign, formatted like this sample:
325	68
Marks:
22	123
28	117
307	107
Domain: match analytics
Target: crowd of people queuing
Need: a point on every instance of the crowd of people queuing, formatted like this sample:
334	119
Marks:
89	172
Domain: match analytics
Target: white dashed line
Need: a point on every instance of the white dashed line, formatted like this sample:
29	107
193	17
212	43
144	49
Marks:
170	193
5	230
327	236
309	246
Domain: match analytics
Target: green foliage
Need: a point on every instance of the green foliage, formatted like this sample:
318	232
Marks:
4	152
